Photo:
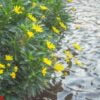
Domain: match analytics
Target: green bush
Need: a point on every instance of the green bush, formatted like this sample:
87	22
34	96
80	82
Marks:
29	32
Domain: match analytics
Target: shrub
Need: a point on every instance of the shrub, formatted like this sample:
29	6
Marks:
29	32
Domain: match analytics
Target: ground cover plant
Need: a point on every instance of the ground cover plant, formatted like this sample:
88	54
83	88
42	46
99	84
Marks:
29	33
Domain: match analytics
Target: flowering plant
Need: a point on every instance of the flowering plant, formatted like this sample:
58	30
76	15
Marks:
29	32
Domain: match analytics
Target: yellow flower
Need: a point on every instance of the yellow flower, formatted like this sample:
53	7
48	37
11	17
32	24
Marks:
50	45
15	68
77	46
43	17
34	4
1	5
77	62
73	9
44	71
13	75
30	34
55	30
47	61
44	8
58	18
65	73
67	59
37	28
63	25
8	57
31	17
18	9
1	71
8	64
58	67
69	0
77	26
2	65
69	54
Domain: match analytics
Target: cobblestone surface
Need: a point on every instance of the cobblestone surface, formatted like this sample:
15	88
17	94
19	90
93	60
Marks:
85	29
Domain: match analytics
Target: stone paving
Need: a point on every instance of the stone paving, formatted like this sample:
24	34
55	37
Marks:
84	84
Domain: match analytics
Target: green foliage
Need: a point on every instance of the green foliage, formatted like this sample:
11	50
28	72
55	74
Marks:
27	50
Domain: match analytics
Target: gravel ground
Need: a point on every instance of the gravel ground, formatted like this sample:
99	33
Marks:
83	83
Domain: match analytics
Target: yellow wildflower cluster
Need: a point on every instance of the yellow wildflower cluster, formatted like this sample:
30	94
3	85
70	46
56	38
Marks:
47	61
36	26
3	66
69	56
13	74
50	45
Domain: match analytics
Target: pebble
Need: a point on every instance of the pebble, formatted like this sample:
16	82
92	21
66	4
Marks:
85	29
